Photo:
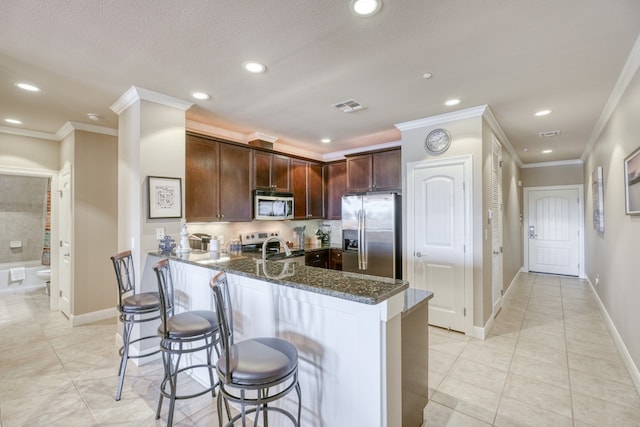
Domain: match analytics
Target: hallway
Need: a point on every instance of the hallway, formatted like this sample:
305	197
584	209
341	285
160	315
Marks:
549	361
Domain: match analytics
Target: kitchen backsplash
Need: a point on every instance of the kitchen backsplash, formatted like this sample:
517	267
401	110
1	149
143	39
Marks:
233	230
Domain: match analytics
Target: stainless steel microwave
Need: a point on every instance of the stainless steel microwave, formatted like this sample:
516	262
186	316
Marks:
269	205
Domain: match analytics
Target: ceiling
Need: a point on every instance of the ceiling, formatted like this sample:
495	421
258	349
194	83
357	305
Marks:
517	57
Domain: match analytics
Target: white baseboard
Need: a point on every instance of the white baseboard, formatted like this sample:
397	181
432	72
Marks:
94	316
626	357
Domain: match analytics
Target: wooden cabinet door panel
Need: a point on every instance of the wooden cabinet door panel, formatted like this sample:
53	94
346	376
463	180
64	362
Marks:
315	191
319	258
280	172
262	169
359	169
299	188
235	178
201	180
336	188
387	171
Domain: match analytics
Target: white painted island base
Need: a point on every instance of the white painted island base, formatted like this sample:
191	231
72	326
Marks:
349	352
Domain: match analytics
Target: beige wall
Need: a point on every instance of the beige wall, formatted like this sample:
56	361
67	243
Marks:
553	175
613	255
95	209
25	152
512	219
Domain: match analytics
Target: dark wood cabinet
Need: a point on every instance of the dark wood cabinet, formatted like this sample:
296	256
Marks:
271	171
379	171
307	186
335	259
217	181
319	258
336	187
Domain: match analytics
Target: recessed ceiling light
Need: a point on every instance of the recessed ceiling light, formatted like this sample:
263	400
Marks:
525	149
325	140
547	151
94	116
13	121
366	8
427	75
543	113
255	67
452	102
28	87
200	95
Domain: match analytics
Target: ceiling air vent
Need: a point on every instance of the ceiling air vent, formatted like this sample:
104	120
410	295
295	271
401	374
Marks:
549	134
349	106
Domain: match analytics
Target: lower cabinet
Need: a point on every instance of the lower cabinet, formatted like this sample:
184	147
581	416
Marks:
319	258
324	258
335	259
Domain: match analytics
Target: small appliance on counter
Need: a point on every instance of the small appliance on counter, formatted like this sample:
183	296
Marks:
300	233
324	234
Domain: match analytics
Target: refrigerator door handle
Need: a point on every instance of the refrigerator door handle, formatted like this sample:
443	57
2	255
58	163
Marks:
360	241
365	249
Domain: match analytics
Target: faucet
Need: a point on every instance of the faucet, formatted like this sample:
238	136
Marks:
287	251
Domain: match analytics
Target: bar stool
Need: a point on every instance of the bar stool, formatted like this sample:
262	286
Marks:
182	333
255	365
134	308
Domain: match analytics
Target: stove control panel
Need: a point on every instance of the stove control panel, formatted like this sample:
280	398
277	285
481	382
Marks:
256	237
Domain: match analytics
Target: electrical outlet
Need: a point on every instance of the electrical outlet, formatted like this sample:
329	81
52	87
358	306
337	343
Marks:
597	279
159	233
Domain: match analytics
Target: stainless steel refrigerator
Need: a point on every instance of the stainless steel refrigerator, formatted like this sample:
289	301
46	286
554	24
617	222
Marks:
371	234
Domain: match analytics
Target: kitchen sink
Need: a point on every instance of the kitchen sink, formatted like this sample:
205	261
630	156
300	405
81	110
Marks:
283	255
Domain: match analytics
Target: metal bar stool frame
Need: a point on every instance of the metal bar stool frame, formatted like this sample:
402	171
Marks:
173	341
230	386
134	308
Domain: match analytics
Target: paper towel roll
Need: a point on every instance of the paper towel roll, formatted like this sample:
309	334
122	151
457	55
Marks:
214	245
17	273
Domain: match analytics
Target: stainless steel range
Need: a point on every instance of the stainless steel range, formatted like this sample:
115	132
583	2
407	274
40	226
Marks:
252	243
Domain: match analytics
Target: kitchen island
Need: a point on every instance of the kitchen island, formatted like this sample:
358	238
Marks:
346	327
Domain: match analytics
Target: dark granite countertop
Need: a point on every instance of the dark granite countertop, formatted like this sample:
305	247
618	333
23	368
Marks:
414	298
356	287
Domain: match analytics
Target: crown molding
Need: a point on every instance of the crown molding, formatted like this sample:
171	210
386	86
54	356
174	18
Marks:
629	70
262	137
499	133
443	118
339	155
29	133
69	127
557	163
135	93
206	129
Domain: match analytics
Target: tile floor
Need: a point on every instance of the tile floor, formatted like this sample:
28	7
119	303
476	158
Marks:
549	361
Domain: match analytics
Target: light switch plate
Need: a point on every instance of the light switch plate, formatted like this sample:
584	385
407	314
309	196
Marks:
159	233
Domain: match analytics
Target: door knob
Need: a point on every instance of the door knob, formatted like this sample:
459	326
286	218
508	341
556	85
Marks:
420	254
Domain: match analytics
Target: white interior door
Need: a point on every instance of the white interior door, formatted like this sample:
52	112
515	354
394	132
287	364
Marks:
436	226
496	226
553	230
65	257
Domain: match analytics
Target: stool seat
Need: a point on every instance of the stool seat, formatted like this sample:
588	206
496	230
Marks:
139	303
190	324
259	361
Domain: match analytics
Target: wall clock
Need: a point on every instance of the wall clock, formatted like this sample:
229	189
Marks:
438	141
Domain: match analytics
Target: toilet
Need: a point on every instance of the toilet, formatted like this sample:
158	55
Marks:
45	275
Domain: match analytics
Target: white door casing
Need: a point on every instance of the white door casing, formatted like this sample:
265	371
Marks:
438	236
553	230
496	225
65	250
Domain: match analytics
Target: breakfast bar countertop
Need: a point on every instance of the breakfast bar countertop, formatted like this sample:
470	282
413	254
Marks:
361	288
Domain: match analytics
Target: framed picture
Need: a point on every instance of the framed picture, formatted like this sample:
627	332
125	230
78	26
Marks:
597	194
165	197
632	183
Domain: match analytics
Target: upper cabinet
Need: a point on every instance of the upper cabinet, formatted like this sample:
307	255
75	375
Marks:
336	188
307	186
271	171
217	181
378	171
